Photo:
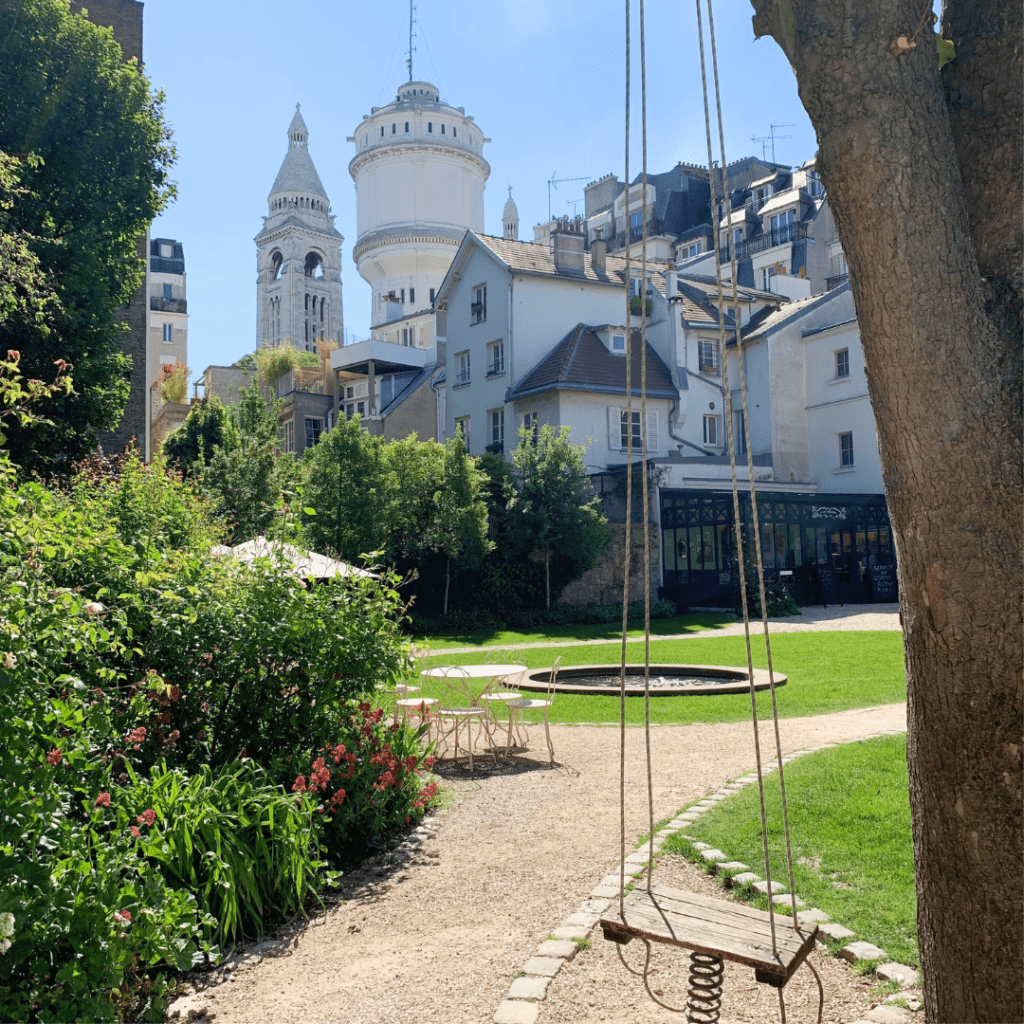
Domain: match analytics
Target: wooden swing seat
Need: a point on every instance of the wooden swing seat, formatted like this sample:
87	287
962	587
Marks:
721	928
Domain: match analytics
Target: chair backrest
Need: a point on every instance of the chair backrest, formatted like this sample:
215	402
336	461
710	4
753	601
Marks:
455	690
553	677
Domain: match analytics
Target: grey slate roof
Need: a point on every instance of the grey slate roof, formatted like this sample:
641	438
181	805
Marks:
534	258
580	362
297	173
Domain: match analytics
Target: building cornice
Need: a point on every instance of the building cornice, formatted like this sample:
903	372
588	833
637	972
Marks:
273	234
398	236
378	151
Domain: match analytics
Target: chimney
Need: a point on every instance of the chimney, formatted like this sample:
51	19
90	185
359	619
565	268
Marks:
598	250
568	248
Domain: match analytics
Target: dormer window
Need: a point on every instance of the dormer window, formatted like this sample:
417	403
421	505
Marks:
782	227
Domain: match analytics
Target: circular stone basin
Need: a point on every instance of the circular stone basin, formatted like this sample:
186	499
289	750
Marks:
665	680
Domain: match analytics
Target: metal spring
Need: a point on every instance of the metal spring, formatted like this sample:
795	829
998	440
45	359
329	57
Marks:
705	990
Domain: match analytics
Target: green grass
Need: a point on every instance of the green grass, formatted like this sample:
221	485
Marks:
849	821
689	623
827	672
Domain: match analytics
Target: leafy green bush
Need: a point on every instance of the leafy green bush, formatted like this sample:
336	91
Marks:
242	846
368	783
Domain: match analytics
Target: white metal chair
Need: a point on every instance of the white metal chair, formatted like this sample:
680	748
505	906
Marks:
457	711
536	704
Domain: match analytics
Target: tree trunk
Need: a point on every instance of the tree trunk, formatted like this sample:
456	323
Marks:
929	216
447	582
547	578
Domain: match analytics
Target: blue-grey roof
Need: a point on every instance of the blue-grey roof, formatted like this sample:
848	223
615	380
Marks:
297	173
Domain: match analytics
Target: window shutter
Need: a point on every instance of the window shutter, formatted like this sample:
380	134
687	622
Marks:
652	431
615	428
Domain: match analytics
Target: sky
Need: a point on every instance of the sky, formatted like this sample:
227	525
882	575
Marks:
544	81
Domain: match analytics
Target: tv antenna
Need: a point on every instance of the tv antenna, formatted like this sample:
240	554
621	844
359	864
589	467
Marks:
553	181
412	48
573	203
765	139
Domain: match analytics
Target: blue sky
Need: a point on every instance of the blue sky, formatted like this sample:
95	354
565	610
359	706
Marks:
544	81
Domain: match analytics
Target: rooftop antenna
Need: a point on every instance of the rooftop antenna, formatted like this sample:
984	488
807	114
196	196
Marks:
573	203
412	49
556	182
766	138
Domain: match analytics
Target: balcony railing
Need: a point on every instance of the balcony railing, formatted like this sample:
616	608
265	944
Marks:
835	282
162	305
768	240
303	378
498	366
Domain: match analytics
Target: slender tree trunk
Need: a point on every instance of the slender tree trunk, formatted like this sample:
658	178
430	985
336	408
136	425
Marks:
547	578
929	217
447	582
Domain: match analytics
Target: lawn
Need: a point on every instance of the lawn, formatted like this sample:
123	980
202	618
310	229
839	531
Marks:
827	672
849	822
689	623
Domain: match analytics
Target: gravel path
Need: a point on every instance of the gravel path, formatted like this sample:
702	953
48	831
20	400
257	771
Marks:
439	938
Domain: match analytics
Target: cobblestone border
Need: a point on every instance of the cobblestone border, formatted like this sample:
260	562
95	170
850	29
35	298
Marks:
521	1004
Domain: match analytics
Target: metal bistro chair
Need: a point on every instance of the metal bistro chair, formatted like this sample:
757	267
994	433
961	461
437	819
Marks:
536	704
456	712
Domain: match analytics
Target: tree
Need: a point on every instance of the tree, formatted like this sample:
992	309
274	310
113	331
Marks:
351	488
553	517
93	153
456	521
206	428
923	169
242	474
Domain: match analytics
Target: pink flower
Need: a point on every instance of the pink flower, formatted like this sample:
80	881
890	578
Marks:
103	800
135	832
147	817
124	915
53	757
299	785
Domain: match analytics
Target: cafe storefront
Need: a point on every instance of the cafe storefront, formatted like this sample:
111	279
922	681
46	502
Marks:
826	549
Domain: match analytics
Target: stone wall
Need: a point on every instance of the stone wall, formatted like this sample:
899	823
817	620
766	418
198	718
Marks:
603	583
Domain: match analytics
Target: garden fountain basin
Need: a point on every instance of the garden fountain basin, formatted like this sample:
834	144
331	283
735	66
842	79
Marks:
665	680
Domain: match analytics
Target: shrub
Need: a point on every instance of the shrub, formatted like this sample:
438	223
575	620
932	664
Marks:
241	845
173	381
368	784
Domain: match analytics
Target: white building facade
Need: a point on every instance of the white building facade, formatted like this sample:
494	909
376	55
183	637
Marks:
167	342
419	173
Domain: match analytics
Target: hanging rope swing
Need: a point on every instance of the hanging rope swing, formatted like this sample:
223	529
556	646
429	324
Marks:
713	930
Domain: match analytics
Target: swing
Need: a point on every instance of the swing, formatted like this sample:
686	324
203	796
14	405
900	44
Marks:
713	930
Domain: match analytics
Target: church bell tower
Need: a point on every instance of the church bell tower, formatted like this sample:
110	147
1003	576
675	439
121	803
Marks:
298	262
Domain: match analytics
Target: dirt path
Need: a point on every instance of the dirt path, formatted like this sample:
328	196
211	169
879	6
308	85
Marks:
439	938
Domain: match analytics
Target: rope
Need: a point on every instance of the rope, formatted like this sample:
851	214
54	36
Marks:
753	496
628	538
643	456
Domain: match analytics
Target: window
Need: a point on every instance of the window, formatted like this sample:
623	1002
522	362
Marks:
407	126
814	185
707	357
767	273
783	227
636	225
462	377
442	129
530	425
430	127
846	450
495	358
167	292
624	429
478	308
762	195
168	332
497	418
684	252
382	131
314	428
462	423
287	434
711	430
431	296
737	236
412	295
455	131
843	363
618	343
738	432
394	128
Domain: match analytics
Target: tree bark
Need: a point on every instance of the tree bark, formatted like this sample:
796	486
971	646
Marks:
923	173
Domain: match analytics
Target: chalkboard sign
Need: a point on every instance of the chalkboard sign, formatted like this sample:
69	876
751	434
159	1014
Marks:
829	591
883	580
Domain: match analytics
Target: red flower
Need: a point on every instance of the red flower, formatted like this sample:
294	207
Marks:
429	762
146	817
135	832
136	737
124	915
53	757
174	693
103	800
299	785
